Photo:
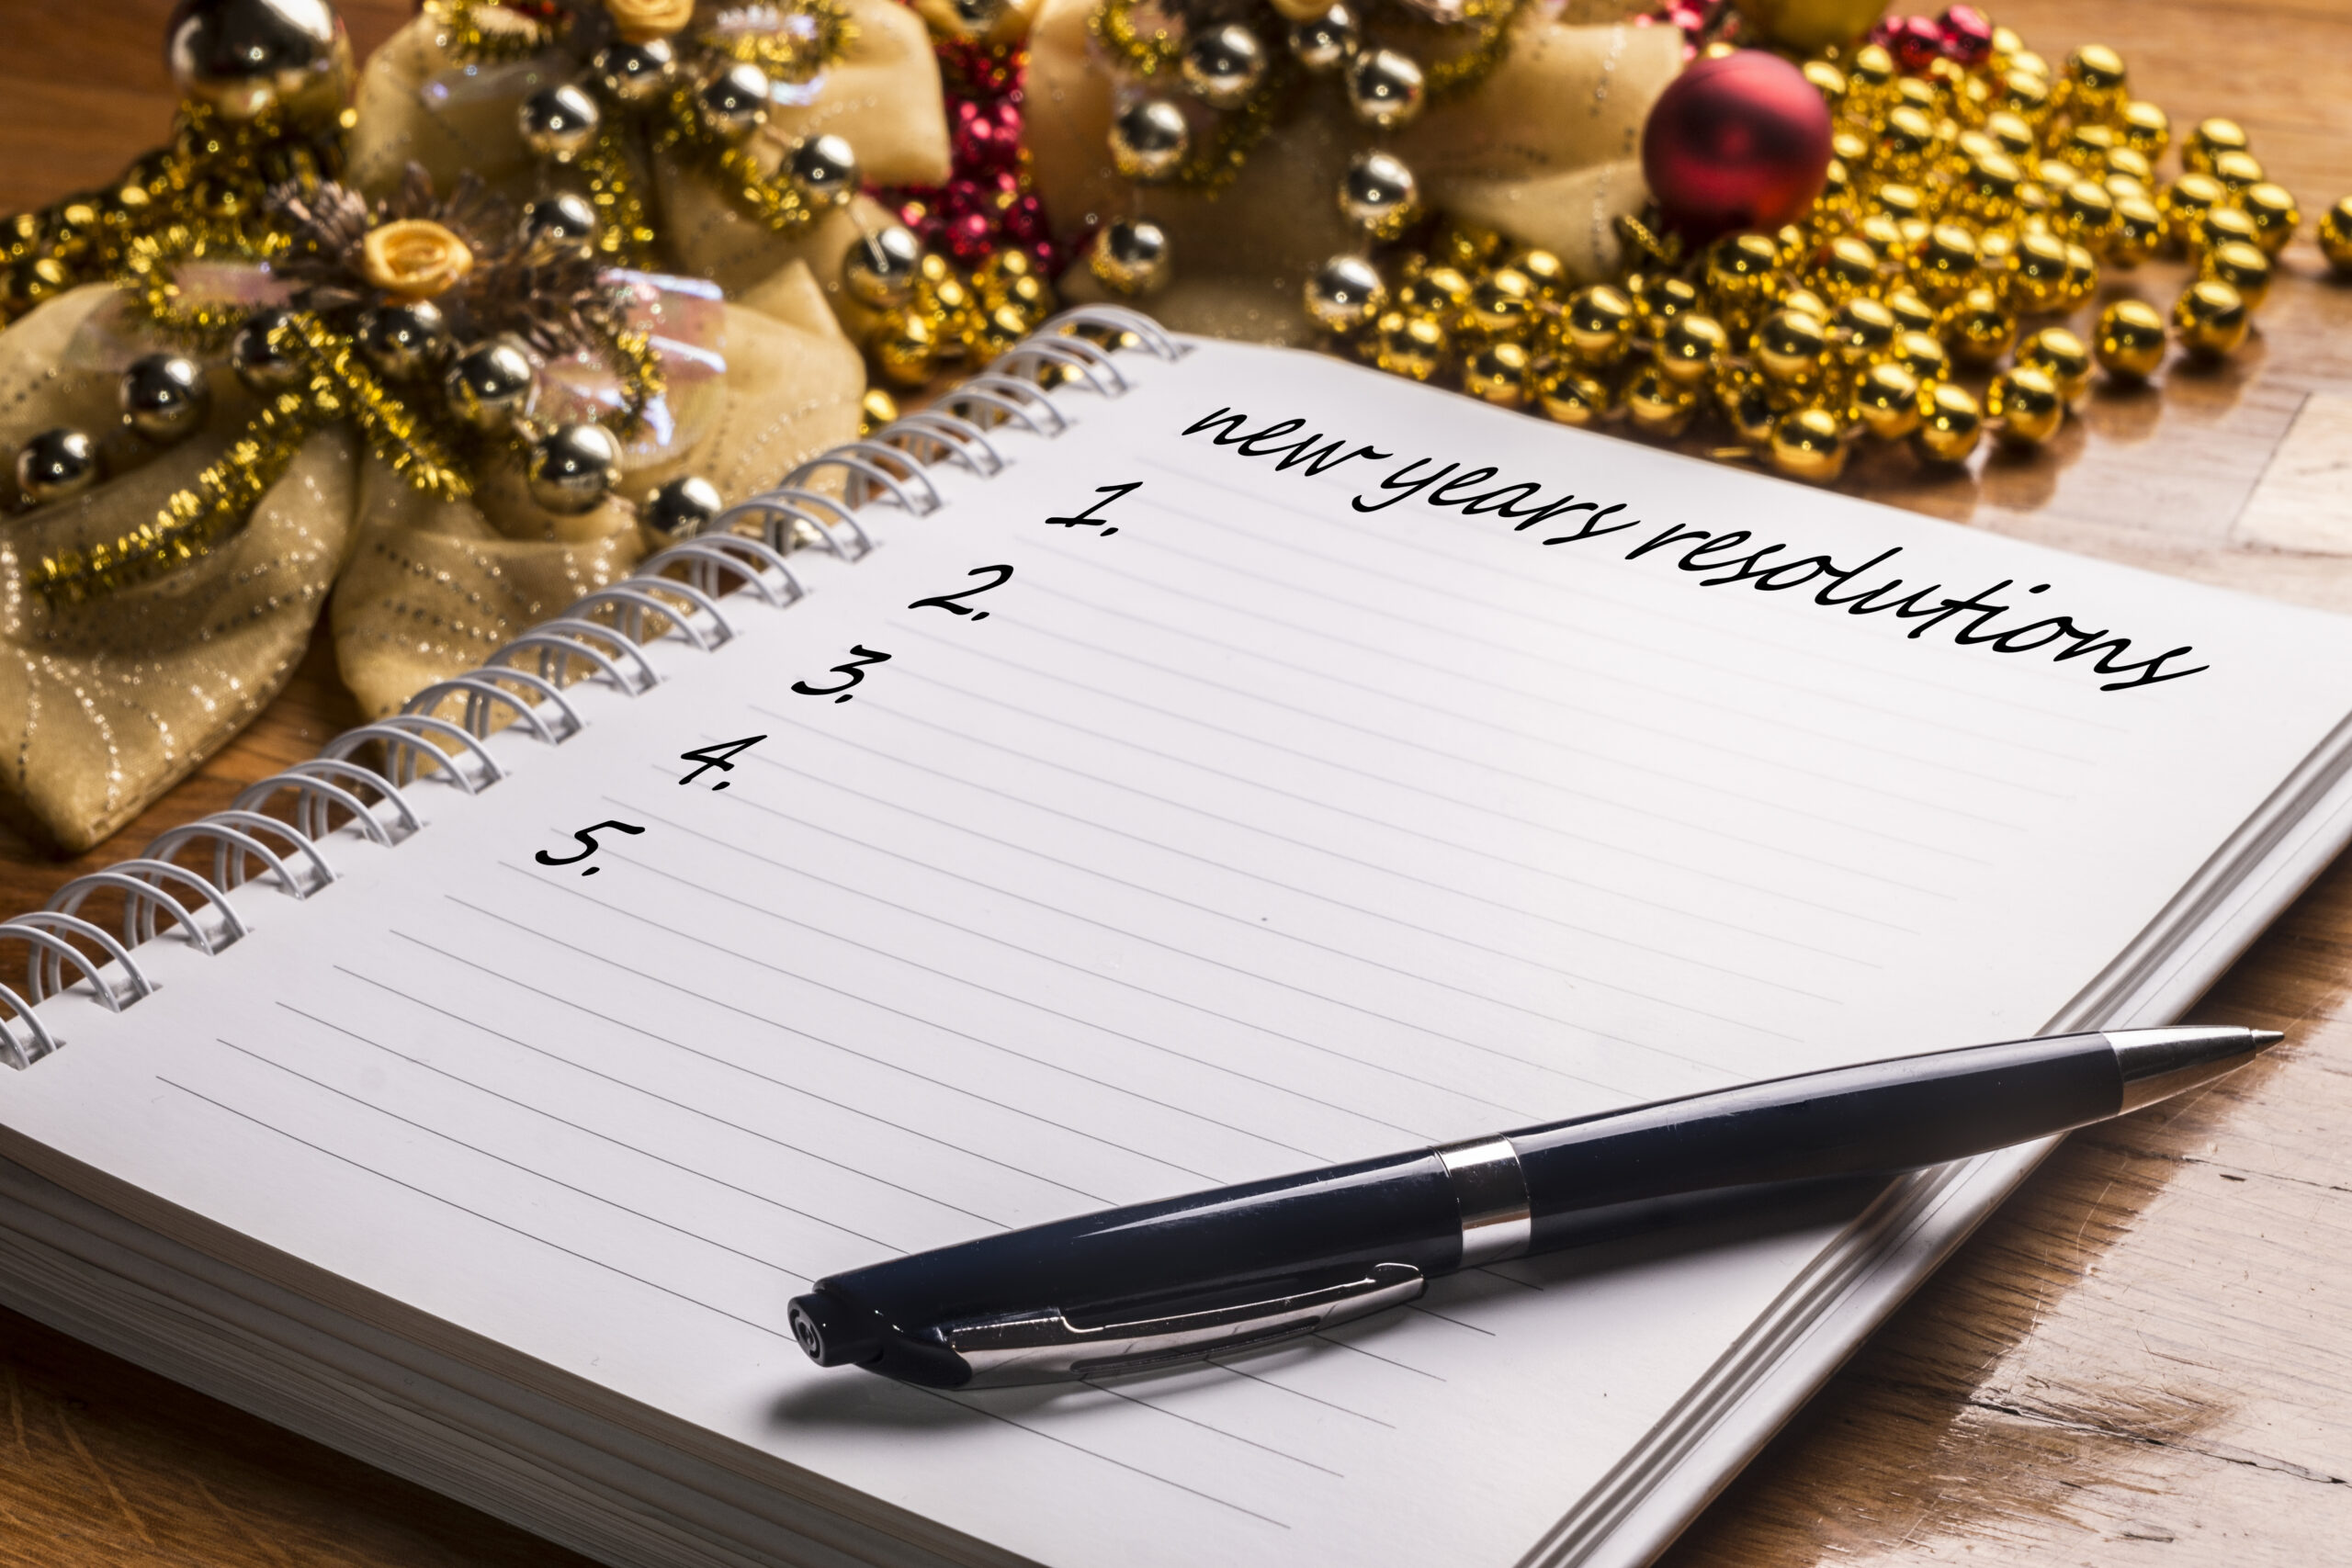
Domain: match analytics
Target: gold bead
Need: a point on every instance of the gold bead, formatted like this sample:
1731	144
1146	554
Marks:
1497	373
2061	355
1805	299
1345	293
2086	215
2187	201
1996	257
1922	353
1434	290
2242	266
1467	247
1871	75
2086	144
2027	405
1573	396
1827	80
1663	299
1546	271
2010	130
1795	246
2038	274
1899	201
1410	345
1850	148
1748	408
1886	401
1834	207
2033	205
2238	171
2336	236
2057	173
1921	93
1659	405
2139	231
2095	79
1501	304
1378	194
1742	269
1911	313
1809	445
1598	324
1950	424
2145	129
1689	348
2275	216
2210	318
1863	331
1847	266
875	410
1791	347
1881	233
2221	226
1130	255
905	347
1986	191
2210	138
1944	267
2131	340
1978	330
2023	93
2082	276
1905	138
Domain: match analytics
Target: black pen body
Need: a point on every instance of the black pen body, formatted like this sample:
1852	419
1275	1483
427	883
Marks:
1237	1265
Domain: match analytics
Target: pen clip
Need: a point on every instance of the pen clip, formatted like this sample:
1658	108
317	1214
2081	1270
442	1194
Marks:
1045	1346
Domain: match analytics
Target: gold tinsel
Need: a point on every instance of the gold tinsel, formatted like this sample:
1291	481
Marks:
481	32
784	56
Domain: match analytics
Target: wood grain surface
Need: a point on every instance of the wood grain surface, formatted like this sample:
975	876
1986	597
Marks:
2146	1357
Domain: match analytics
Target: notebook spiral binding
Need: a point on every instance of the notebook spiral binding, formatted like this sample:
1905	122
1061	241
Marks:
601	637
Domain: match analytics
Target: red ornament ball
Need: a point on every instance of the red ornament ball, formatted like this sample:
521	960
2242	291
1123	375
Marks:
1737	141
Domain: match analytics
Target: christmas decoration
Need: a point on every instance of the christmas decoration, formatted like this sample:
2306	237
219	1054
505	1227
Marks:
726	143
1739	140
1972	192
1249	148
1809	26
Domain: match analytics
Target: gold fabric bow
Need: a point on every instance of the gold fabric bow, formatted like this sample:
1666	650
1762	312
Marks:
108	701
1547	149
883	96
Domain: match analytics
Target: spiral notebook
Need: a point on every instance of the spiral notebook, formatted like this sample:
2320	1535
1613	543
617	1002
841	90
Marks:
1222	762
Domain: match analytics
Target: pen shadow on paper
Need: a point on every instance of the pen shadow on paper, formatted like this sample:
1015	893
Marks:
862	1400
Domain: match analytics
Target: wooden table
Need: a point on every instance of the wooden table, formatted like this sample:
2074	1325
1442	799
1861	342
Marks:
2147	1357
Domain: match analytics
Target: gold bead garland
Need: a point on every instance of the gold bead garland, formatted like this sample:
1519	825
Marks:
1957	208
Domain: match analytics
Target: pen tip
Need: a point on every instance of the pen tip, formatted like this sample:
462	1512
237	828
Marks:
2265	1038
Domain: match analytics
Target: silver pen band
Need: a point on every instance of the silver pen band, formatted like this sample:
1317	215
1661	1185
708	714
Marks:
1491	1192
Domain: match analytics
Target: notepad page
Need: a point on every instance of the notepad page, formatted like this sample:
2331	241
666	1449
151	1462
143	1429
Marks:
1159	815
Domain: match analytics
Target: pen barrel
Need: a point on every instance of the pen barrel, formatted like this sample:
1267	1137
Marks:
1877	1117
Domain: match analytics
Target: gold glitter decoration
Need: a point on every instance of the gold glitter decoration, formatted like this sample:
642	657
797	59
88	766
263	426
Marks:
204	192
624	228
783	51
476	32
768	196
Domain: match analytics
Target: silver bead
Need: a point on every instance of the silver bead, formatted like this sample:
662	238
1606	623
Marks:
560	122
974	18
681	509
56	464
1326	42
1131	255
1385	88
1345	293
823	171
246	57
880	269
1378	194
258	362
402	341
572	468
1149	140
165	397
635	72
734	103
489	385
564	223
1224	65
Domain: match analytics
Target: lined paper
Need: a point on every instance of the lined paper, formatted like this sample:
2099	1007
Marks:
1259	834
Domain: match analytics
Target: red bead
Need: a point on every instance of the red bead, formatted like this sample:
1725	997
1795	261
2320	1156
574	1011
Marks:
1738	141
1919	43
1967	36
971	238
1025	221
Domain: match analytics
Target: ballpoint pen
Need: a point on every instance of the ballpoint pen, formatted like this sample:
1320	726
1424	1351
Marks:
1217	1272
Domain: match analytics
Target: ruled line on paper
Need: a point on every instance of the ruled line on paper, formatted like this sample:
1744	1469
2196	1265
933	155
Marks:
605	958
1685	824
540	1111
1453	803
965	1404
1258	876
713	1116
1203	812
1100	1387
474	1213
1610	677
527	1172
1359	525
1047	1062
1219	914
